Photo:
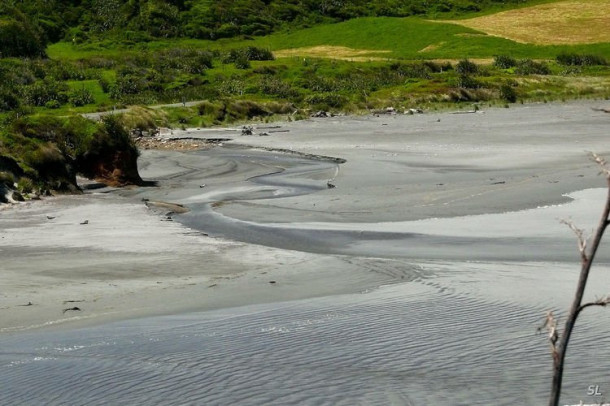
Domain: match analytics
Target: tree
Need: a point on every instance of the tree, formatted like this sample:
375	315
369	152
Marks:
559	340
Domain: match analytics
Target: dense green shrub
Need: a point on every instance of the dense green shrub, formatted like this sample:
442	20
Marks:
530	67
466	67
248	54
19	38
259	54
467	82
242	62
508	92
581	60
183	60
81	97
43	91
8	100
52	104
504	62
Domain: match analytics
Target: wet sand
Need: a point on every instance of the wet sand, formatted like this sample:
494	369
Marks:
264	226
419	278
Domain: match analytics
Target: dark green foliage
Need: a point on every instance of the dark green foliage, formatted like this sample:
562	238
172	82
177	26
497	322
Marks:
78	20
52	104
248	54
467	82
8	100
43	91
80	97
466	67
530	67
581	60
19	39
504	62
51	150
508	92
183	60
242	62
111	135
259	54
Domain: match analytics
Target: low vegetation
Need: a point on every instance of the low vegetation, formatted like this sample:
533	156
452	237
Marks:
240	61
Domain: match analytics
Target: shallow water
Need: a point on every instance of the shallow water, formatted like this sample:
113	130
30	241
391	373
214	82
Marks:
446	338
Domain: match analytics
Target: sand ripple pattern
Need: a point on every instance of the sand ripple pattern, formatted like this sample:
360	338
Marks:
408	344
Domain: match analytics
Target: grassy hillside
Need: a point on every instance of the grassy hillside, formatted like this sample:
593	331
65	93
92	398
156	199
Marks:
414	38
565	22
138	20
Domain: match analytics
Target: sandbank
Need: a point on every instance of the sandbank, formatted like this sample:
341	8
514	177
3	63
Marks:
426	175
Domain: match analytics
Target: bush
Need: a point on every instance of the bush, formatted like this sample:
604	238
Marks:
242	62
504	62
248	54
52	104
508	93
43	91
529	67
81	97
259	54
466	67
467	82
8	101
105	85
581	60
19	39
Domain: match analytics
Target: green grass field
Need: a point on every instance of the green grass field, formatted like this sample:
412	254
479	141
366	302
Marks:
398	38
408	38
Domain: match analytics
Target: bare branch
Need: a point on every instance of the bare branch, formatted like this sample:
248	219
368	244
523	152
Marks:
582	239
603	302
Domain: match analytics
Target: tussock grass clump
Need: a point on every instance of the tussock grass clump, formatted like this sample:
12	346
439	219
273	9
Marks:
143	118
25	185
244	109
